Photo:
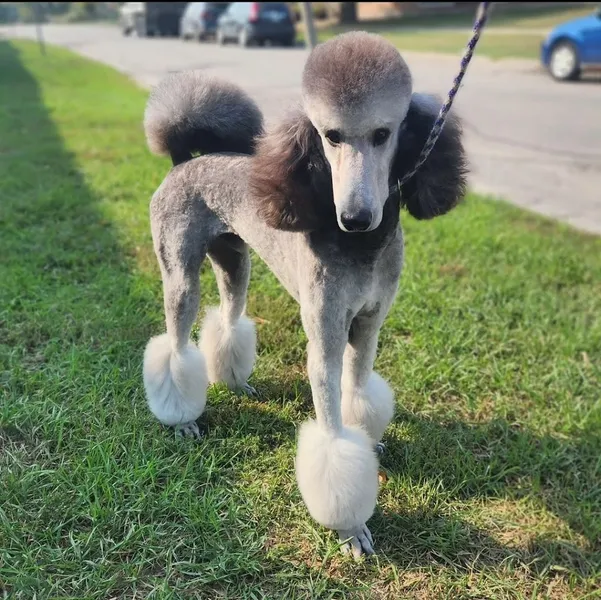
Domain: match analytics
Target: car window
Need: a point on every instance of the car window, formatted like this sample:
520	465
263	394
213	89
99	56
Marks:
134	6
242	8
277	12
277	7
231	10
193	9
217	7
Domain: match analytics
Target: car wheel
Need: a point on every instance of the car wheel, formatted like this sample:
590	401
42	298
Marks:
243	39
563	63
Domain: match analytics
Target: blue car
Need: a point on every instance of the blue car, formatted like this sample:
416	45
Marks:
573	47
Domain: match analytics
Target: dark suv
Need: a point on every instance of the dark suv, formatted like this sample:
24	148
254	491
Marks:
251	23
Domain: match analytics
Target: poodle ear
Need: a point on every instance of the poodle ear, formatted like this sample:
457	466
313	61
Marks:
290	177
441	182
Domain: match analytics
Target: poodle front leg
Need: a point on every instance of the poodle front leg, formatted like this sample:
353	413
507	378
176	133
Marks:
336	465
367	400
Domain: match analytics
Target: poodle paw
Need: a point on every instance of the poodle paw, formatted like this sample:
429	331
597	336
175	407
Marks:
380	448
248	390
188	430
360	541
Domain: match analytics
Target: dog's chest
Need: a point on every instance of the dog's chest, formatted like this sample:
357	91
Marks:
361	276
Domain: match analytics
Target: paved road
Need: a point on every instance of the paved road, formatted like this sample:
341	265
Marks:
530	140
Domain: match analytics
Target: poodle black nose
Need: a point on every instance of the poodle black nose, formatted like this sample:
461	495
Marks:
359	221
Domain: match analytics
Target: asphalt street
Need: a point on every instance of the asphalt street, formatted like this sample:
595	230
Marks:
530	140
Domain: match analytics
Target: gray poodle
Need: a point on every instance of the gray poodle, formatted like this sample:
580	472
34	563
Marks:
317	198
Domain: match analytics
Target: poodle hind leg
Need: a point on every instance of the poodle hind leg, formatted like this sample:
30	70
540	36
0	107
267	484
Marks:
228	338
175	374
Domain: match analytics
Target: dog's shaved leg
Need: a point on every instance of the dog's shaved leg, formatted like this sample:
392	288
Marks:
336	466
367	400
174	369
181	288
228	338
326	327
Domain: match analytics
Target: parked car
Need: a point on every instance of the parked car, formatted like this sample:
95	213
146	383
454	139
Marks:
251	23
151	18
573	47
199	20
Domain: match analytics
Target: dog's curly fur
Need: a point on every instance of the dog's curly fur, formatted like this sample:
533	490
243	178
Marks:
291	177
315	197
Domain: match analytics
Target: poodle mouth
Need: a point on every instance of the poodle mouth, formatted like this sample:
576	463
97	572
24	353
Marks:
357	232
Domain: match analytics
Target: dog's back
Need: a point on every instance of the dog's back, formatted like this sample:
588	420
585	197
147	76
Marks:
190	113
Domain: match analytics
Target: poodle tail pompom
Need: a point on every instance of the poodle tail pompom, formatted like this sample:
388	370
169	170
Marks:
190	112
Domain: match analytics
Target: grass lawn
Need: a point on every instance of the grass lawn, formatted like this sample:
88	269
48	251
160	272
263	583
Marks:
512	45
493	348
427	34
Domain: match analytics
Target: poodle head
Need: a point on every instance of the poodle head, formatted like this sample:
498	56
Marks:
361	129
356	92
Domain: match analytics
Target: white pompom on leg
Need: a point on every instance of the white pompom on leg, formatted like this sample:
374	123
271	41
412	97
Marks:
337	475
371	408
175	381
229	349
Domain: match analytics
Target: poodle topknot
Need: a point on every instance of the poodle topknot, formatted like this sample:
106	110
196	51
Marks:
354	68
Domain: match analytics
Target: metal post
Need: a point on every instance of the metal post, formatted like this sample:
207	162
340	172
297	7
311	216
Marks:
309	25
38	27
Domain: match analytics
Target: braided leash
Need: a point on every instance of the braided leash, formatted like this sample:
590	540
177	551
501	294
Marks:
479	23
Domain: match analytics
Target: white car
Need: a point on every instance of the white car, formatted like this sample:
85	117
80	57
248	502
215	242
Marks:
151	18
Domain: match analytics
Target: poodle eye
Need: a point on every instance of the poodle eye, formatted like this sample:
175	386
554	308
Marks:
380	136
333	137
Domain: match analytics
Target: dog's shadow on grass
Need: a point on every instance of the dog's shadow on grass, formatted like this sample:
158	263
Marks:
494	462
258	415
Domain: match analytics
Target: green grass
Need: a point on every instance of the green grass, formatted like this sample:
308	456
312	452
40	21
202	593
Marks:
518	45
493	348
424	33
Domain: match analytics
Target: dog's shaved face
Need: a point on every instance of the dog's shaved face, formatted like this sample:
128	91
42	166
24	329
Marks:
356	91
